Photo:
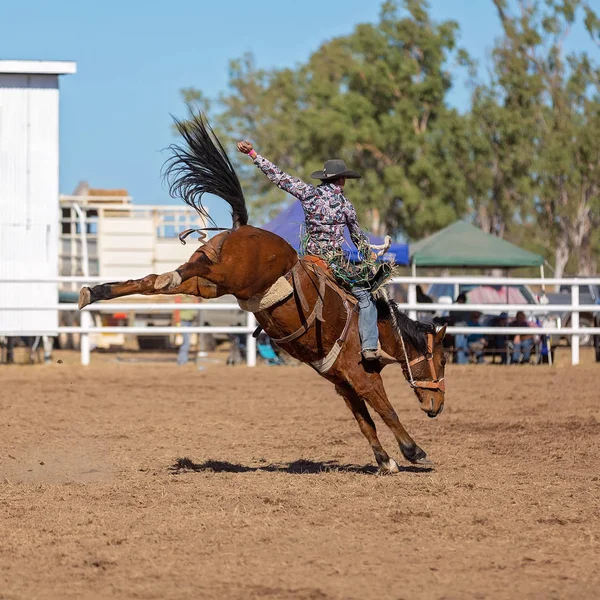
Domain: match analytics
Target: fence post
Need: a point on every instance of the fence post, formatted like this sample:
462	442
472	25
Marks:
412	299
251	341
202	345
84	338
575	324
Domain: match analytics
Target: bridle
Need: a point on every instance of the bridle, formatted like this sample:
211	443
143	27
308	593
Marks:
435	383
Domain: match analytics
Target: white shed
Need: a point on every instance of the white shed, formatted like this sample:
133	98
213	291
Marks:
29	205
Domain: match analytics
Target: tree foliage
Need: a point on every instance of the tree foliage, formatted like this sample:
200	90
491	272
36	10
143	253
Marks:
523	162
536	126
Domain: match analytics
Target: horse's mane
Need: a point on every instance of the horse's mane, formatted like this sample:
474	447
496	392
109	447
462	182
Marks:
413	332
201	166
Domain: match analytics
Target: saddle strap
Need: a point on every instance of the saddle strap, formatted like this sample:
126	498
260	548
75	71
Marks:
298	287
323	365
303	328
317	312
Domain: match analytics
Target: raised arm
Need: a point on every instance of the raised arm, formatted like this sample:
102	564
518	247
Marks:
292	185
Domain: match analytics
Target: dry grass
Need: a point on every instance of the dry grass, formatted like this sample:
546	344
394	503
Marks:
125	481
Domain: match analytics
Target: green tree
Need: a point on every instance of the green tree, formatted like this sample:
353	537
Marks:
377	98
536	150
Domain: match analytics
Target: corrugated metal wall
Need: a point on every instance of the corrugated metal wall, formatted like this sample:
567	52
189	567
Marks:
29	214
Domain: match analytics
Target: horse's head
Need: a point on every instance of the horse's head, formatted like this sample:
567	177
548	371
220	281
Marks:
424	371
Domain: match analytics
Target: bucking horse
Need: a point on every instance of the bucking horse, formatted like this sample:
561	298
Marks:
295	299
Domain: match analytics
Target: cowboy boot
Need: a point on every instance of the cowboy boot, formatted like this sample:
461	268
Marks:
381	355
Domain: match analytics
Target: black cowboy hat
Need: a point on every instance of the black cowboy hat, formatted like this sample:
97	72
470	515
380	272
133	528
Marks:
334	169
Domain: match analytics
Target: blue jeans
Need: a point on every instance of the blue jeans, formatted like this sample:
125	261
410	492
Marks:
464	349
184	349
525	347
367	319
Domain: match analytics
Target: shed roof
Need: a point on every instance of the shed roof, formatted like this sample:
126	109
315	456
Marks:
38	67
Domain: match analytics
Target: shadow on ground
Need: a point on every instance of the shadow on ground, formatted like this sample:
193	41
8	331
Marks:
297	467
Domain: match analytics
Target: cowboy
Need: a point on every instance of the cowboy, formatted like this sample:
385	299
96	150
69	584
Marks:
327	211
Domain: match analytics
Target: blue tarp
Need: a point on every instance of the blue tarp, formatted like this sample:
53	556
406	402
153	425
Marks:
288	225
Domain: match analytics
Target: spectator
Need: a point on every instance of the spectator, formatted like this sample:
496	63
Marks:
456	316
186	319
207	340
545	350
423	298
498	343
523	344
470	345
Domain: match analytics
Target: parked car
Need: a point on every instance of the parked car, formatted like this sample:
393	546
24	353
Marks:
446	293
588	294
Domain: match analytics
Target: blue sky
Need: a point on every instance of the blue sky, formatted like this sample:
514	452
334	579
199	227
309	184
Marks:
134	57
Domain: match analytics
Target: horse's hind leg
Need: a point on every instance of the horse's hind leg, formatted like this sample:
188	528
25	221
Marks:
186	279
370	387
367	426
194	286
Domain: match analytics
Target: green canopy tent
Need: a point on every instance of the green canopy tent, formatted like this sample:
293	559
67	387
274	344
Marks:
462	245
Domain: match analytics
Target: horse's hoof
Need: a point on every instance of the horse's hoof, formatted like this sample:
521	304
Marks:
167	281
85	297
390	466
414	454
423	462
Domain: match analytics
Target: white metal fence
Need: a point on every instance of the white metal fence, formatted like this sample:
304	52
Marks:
86	328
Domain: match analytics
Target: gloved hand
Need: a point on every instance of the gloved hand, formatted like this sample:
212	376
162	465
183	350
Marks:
245	147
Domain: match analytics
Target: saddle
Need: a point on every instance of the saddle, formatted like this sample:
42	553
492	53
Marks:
291	286
320	267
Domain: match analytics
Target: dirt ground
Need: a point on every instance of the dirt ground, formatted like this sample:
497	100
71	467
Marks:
280	499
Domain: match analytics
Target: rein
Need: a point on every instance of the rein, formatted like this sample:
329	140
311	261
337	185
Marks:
435	383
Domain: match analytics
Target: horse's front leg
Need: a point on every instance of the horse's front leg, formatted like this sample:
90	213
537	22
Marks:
195	286
369	386
367	427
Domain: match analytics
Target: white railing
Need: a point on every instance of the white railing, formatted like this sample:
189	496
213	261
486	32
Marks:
85	328
574	308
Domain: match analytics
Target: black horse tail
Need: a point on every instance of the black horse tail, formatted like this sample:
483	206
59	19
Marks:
201	166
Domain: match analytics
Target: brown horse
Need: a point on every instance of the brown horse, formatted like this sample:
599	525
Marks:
296	301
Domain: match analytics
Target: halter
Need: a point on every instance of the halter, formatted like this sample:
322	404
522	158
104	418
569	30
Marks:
435	383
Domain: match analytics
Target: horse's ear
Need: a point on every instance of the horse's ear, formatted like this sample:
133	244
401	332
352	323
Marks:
440	333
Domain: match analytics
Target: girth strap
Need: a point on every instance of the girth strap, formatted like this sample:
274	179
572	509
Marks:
322	365
303	328
298	287
316	313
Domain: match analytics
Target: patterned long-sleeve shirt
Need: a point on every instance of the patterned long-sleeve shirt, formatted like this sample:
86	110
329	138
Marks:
326	211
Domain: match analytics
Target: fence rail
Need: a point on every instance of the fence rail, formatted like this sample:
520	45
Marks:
85	328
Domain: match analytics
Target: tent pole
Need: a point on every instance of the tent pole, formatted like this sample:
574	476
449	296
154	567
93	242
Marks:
412	293
542	276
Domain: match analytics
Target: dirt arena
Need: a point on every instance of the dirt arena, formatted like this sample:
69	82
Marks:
280	498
